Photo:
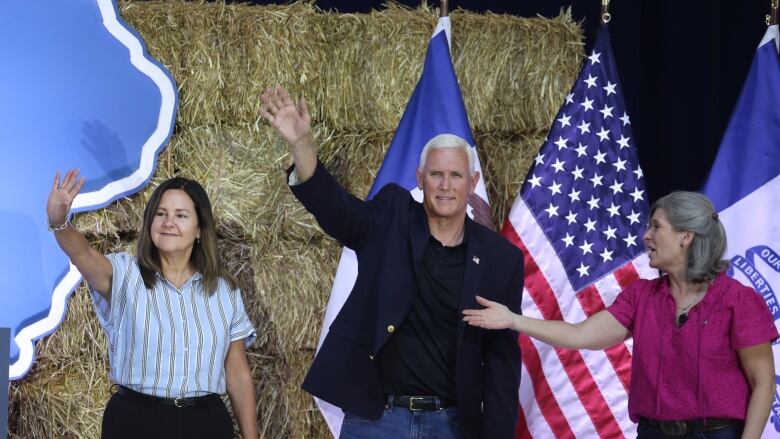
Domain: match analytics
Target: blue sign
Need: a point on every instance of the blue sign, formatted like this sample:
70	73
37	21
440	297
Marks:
77	90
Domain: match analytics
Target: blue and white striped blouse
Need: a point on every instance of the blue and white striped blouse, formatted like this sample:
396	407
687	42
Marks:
166	341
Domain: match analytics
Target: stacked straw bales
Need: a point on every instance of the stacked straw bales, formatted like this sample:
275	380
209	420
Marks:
357	73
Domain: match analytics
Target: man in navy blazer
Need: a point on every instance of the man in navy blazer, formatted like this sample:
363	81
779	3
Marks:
398	358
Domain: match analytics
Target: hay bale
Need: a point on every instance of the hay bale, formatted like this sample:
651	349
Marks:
357	70
506	158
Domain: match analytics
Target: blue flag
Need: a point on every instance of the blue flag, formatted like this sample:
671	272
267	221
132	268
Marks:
436	107
744	185
78	91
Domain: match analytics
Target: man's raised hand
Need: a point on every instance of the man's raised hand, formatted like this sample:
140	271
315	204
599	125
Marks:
293	123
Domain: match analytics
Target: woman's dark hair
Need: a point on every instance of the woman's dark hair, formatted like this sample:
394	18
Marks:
204	257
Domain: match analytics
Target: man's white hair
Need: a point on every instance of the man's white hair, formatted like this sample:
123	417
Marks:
449	141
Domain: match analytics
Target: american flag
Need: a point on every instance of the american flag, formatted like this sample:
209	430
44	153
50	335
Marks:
579	219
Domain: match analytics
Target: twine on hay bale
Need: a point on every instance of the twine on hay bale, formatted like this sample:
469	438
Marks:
357	72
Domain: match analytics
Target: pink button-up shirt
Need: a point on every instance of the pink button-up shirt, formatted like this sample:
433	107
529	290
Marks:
693	371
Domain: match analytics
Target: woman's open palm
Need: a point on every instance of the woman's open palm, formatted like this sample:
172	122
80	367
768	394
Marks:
62	195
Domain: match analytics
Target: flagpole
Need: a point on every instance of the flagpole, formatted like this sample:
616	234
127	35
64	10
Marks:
771	17
605	15
444	8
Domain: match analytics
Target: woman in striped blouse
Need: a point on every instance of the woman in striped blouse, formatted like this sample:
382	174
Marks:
175	320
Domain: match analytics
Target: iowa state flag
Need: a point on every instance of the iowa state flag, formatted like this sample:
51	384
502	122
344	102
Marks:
744	186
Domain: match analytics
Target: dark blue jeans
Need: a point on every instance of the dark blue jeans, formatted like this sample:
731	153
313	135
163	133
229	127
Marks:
723	433
401	423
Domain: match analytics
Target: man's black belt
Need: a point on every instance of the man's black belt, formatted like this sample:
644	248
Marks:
417	402
195	401
682	428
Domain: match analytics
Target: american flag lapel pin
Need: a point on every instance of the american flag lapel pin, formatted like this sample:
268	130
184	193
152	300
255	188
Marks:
475	259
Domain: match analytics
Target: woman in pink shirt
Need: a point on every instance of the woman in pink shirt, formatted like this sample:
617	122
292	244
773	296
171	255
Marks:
702	364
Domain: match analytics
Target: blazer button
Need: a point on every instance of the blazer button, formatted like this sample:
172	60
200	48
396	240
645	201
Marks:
370	357
390	328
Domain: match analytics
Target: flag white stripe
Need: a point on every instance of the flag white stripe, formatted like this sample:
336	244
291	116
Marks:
531	410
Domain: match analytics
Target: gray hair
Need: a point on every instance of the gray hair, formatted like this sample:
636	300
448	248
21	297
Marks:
449	141
693	212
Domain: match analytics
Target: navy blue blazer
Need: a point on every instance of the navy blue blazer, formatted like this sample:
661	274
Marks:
389	234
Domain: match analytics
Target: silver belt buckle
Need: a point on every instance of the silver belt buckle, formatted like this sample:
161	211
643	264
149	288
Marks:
177	402
411	402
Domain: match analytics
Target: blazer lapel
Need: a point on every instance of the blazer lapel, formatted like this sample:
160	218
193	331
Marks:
419	234
472	271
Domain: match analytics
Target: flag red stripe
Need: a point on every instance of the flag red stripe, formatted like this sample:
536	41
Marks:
544	397
591	301
574	365
626	275
618	355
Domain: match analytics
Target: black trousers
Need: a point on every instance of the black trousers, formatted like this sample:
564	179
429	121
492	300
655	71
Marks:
126	418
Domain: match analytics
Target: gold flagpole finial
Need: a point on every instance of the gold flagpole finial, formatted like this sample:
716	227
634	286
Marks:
444	8
605	15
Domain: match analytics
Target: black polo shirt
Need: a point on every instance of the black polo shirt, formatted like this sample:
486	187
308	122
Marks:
419	358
